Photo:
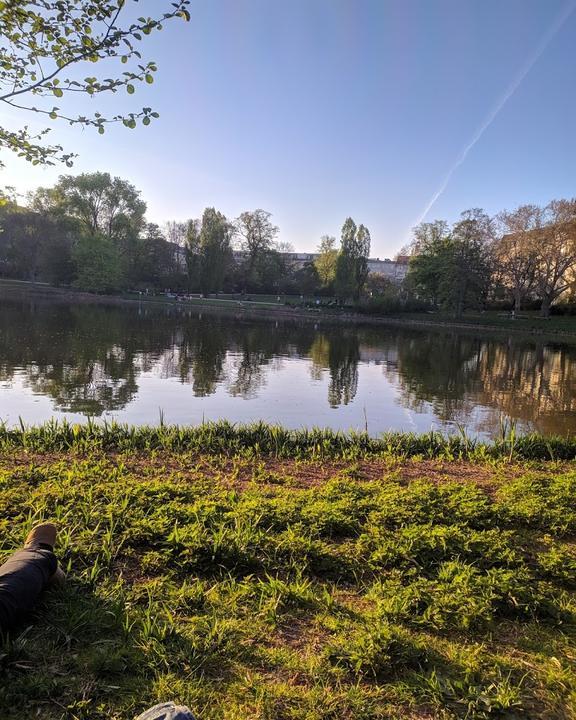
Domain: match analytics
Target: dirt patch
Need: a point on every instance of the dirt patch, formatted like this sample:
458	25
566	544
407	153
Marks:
238	473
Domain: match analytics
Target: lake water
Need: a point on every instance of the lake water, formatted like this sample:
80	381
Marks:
135	363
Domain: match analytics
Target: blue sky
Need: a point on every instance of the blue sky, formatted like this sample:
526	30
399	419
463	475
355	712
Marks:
320	109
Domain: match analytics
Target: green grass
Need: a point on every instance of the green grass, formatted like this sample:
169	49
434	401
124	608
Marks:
223	437
257	573
526	321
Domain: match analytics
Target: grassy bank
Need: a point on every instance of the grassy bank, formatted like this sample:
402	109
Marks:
266	306
259	573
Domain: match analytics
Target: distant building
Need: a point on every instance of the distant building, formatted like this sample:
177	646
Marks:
394	269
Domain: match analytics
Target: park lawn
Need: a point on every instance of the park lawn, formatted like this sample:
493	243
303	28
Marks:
300	576
528	321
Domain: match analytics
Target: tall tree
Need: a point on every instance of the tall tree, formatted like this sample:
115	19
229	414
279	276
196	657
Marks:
352	261
362	247
466	278
326	261
101	204
192	250
43	46
427	259
344	276
103	208
257	236
214	250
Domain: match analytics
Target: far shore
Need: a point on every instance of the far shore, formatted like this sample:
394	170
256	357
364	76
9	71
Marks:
488	322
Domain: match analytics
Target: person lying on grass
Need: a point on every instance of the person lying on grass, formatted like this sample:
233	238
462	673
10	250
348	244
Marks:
25	576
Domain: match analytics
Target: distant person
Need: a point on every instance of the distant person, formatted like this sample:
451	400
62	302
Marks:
33	569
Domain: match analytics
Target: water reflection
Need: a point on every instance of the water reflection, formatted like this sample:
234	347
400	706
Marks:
92	360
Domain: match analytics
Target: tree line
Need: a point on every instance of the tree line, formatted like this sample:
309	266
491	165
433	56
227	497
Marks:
90	232
525	258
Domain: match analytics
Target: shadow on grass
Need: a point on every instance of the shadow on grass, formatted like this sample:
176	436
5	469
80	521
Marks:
72	657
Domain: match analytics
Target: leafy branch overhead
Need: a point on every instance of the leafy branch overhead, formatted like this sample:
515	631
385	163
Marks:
43	42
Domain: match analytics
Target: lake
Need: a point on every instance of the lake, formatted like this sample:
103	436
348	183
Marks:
138	363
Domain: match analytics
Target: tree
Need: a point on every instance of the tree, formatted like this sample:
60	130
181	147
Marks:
101	204
44	45
515	252
426	253
257	236
362	248
175	232
326	261
306	279
155	261
209	251
344	275
97	262
192	252
452	268
555	247
378	284
34	246
466	278
352	261
103	207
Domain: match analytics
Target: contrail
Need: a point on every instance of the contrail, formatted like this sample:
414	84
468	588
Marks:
514	85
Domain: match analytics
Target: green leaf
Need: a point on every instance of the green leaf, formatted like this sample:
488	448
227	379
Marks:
101	130
146	120
149	78
130	89
57	92
53	116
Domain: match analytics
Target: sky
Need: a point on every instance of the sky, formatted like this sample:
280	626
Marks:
388	111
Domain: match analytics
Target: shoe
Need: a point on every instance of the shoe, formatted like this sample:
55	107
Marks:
43	534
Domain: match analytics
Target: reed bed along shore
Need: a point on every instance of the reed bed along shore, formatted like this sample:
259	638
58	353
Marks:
224	437
256	572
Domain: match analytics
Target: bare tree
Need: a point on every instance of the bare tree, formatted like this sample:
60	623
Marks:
515	251
555	247
256	232
176	232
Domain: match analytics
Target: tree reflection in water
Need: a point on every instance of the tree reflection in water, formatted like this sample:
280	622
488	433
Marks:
89	359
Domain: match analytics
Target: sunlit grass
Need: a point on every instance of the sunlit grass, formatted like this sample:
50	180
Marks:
261	573
263	439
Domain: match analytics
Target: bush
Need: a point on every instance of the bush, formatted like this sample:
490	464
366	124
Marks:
392	305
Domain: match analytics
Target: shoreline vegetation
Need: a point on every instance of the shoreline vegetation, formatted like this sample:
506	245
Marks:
527	323
253	571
